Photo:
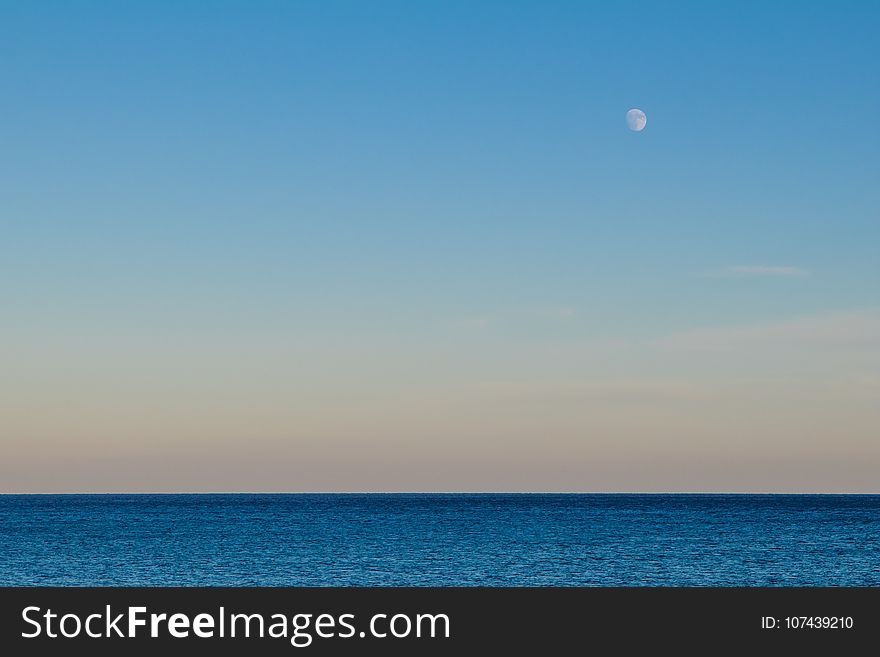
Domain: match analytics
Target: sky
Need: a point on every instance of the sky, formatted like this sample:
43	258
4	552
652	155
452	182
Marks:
398	246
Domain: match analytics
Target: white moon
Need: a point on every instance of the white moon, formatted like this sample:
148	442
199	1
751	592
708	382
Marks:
636	120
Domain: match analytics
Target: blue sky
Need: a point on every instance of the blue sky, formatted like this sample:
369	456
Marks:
406	177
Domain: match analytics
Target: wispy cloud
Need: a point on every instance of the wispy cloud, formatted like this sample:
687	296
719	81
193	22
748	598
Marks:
640	390
756	271
854	330
561	312
471	323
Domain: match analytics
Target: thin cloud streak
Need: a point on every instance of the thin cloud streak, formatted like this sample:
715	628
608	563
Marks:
472	323
758	271
853	329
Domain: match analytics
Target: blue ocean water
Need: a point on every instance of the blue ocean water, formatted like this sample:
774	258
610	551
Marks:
440	540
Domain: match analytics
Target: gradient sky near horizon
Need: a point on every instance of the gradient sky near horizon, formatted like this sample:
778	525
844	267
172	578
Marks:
379	246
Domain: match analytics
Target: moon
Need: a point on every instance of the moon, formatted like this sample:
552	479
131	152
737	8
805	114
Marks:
636	120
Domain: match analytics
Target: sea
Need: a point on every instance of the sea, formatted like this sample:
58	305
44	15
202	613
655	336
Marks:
440	540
